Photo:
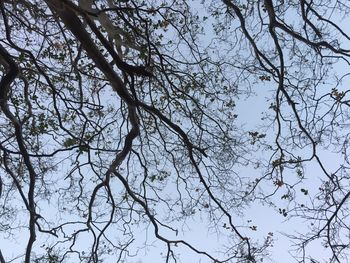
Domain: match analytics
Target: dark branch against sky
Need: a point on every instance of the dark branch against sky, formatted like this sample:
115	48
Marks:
133	127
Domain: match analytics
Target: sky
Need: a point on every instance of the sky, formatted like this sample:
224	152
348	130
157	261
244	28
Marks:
264	217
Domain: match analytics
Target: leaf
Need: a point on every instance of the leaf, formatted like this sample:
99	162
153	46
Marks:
254	228
305	191
69	142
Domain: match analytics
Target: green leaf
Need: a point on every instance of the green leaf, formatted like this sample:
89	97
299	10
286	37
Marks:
69	142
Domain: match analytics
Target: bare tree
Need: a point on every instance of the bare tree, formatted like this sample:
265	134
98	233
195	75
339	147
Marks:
119	121
302	48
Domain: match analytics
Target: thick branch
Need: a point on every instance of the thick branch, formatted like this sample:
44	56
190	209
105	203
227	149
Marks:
5	83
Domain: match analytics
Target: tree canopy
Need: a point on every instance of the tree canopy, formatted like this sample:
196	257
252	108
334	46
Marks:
132	127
